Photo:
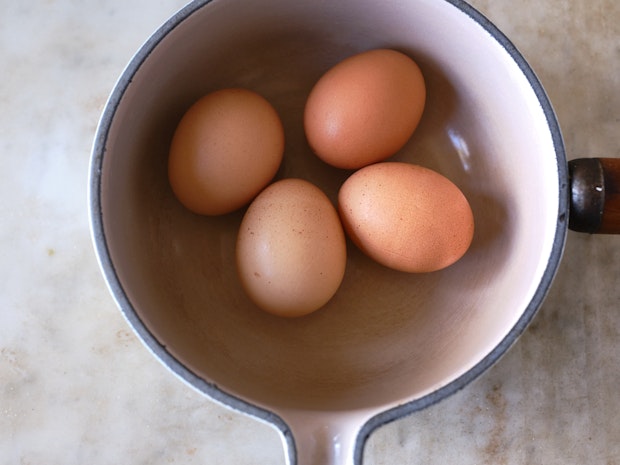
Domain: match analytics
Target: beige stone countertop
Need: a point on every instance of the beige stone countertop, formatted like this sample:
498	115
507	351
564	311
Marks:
76	385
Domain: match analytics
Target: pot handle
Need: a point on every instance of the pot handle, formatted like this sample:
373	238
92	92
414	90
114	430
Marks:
323	438
594	195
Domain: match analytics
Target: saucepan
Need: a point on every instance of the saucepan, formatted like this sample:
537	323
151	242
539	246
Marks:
388	343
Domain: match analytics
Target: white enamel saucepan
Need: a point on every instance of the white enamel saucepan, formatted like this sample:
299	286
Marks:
388	343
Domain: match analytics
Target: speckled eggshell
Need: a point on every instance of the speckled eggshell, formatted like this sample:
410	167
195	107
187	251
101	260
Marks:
226	148
406	217
365	108
291	249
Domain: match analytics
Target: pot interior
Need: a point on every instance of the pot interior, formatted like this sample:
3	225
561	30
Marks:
386	337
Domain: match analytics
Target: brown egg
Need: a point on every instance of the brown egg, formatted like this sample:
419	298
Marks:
225	150
291	249
406	217
364	109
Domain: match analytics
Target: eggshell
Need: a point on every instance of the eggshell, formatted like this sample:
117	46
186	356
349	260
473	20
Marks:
365	108
291	249
225	150
406	217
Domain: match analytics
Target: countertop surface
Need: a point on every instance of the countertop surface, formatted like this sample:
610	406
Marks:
76	385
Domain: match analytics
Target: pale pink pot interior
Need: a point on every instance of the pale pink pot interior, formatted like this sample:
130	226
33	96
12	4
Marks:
386	337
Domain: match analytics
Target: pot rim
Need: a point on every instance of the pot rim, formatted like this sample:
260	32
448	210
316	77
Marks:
211	390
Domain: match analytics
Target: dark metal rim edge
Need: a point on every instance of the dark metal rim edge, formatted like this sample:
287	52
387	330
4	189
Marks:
236	403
